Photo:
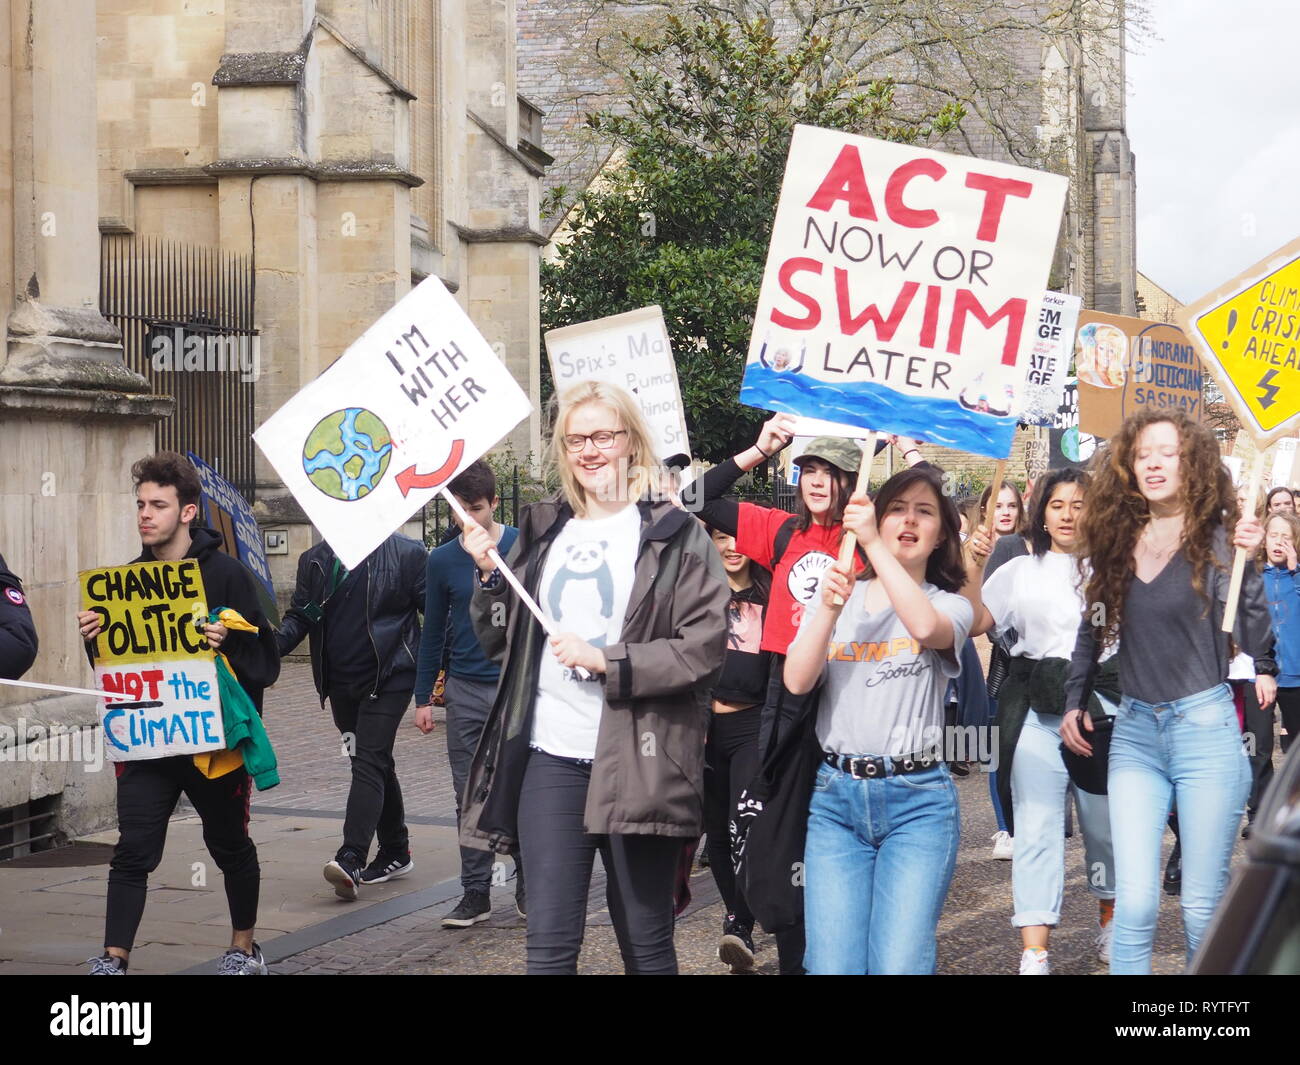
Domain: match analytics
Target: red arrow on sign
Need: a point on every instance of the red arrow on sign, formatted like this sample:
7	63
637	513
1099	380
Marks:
409	479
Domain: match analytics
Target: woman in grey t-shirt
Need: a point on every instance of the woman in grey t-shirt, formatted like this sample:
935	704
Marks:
882	820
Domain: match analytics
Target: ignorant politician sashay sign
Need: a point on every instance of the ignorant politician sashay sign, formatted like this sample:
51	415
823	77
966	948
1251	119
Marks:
150	652
1125	365
902	289
406	408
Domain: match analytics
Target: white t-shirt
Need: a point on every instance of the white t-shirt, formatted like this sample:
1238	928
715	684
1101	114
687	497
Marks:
585	588
1242	667
1038	596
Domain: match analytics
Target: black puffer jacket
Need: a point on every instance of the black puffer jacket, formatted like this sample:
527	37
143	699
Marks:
395	595
17	632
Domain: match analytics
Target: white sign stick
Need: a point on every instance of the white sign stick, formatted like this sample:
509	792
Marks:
514	582
60	688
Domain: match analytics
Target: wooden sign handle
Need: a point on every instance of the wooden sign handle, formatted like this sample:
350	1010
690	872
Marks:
850	542
1239	560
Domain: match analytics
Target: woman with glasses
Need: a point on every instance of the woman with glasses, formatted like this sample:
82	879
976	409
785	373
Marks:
595	742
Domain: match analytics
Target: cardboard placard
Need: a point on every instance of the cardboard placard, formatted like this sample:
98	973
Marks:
630	350
900	289
1125	365
1248	332
406	408
151	652
228	512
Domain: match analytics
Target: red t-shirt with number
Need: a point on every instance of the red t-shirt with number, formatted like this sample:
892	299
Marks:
796	577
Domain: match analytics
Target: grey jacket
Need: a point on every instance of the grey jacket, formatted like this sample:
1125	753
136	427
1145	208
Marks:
648	773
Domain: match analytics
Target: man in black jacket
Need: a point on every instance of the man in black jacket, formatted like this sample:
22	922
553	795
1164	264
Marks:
167	498
364	635
17	633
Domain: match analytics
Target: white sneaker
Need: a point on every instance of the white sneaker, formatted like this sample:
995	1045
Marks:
1034	963
1003	846
1105	934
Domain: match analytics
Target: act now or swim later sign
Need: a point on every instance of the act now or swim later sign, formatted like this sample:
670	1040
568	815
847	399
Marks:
902	289
406	408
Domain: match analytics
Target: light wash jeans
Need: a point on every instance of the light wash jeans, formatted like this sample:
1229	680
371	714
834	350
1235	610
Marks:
1039	789
1188	751
878	860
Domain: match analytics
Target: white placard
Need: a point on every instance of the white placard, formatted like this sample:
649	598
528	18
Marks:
406	408
1048	361
901	288
630	350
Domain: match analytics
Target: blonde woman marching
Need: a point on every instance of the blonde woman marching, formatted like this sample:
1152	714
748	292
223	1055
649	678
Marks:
595	742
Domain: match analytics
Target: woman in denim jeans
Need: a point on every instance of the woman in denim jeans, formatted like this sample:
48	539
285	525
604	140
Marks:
1158	560
1035	603
883	820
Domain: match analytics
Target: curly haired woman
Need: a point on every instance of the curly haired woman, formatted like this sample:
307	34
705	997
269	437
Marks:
1158	555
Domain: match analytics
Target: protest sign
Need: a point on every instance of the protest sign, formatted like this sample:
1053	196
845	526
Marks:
406	408
228	512
632	351
1125	365
901	288
1248	332
151	653
1048	362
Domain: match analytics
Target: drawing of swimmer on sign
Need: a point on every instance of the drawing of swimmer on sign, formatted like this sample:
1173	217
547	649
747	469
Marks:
987	398
781	360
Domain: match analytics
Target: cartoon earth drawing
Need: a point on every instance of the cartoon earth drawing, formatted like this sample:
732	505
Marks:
347	453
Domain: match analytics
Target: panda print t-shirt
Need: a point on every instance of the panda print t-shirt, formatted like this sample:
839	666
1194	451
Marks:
585	588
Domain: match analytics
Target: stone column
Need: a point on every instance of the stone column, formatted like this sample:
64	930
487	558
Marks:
72	415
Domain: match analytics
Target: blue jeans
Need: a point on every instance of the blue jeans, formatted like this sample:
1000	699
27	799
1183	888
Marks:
1039	789
878	860
1188	751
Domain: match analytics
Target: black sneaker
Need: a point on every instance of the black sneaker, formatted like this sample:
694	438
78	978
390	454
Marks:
474	906
736	948
344	872
521	892
387	867
1173	881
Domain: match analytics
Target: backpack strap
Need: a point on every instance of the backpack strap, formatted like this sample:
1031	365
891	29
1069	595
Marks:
784	534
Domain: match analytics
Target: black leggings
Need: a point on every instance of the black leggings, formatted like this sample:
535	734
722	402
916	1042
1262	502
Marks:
146	795
1288	704
730	762
640	874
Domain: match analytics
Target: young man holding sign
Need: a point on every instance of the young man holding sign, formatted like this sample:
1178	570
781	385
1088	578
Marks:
167	497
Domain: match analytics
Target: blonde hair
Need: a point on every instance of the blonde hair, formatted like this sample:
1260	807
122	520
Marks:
637	466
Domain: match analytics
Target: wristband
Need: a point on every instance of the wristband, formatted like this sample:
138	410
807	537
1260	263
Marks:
910	450
763	453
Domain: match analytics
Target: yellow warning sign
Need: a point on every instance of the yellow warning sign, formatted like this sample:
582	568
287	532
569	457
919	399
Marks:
1247	333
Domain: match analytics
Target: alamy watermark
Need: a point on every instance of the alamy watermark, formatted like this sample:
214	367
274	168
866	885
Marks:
182	352
53	743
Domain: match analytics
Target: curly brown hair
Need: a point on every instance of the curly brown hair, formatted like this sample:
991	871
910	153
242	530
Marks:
1117	511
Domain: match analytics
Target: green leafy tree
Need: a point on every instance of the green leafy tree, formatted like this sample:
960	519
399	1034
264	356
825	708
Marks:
682	213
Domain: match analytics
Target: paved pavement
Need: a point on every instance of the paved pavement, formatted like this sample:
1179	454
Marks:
51	906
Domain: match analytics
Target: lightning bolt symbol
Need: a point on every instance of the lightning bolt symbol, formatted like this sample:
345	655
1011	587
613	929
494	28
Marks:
1268	392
